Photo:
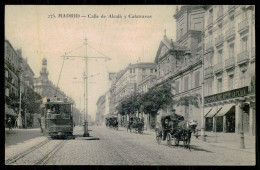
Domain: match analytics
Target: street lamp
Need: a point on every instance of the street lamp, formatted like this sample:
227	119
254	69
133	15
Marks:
242	141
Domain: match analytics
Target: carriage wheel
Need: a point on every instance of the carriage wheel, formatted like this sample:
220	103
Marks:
169	139
158	137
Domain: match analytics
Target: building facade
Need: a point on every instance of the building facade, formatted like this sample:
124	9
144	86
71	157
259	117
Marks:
101	106
12	73
229	62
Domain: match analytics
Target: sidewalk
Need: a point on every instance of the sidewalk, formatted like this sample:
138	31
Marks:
224	140
19	140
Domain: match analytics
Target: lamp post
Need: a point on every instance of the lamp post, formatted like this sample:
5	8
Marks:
242	141
202	92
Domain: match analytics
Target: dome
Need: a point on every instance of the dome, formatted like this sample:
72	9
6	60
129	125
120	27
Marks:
44	61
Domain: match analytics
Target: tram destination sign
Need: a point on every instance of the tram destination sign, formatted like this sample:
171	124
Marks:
226	95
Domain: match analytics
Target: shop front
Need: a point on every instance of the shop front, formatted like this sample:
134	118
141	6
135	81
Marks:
230	111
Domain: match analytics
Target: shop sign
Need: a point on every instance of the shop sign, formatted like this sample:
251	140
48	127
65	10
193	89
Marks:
226	95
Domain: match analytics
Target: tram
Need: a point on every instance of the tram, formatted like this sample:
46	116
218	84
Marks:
57	117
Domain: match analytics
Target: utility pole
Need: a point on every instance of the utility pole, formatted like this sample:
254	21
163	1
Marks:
202	96
86	133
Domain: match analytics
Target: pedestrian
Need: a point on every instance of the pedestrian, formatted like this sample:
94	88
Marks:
15	123
9	123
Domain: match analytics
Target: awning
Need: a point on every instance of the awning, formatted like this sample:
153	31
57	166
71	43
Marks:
213	112
207	110
9	111
224	110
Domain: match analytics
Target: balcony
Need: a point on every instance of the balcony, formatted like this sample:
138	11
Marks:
219	40
208	71
230	33
242	57
230	63
218	68
231	10
243	25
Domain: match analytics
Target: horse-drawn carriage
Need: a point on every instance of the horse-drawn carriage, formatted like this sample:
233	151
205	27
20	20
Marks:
135	124
175	128
112	122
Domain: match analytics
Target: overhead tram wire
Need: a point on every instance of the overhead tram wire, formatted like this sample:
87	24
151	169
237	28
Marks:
63	65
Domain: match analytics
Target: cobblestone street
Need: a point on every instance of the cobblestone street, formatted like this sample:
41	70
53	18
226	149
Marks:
111	147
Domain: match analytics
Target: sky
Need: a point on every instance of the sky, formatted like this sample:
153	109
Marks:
40	32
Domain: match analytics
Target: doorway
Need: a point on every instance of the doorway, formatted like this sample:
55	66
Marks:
230	120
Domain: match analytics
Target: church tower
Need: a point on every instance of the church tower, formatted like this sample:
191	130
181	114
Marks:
44	73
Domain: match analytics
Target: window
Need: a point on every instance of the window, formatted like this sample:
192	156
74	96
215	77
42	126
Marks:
133	70
151	70
219	56
155	70
186	83
208	88
181	32
177	90
244	44
242	79
130	71
143	70
197	79
230	82
219	85
231	50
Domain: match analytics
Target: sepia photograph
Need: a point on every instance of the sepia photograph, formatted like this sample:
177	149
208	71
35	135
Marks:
153	85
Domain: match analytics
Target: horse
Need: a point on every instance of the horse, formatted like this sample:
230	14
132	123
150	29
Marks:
186	128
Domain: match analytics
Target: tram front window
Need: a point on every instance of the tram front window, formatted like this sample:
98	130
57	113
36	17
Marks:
65	110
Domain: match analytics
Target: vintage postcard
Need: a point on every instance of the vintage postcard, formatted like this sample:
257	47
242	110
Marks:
130	85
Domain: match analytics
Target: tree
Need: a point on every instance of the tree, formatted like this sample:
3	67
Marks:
158	97
187	101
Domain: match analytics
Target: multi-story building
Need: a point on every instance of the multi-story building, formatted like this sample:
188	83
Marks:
127	80
126	83
101	106
44	86
229	62
180	64
11	79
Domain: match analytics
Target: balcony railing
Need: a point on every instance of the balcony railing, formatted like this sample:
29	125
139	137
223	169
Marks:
242	57
230	33
208	71
218	67
243	25
253	52
229	63
219	39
